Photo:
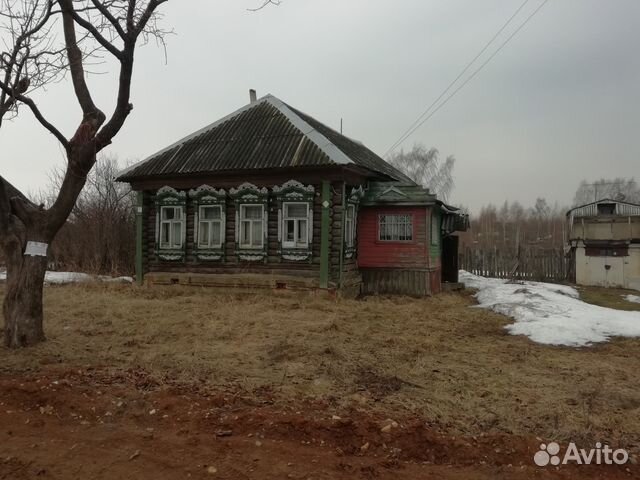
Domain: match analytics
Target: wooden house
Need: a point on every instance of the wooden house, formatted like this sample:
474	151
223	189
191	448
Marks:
604	243
269	197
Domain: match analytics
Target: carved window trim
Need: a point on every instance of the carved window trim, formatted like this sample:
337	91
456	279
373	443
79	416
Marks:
351	237
170	197
294	192
248	194
207	196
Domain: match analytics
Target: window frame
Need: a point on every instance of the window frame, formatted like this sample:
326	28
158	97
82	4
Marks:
170	223
295	245
210	222
350	232
411	223
248	194
168	198
251	221
350	239
202	197
293	192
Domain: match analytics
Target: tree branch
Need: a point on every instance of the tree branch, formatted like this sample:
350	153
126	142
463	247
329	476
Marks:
43	121
91	113
112	20
106	44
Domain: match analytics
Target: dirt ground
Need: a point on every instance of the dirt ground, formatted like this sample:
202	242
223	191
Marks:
187	383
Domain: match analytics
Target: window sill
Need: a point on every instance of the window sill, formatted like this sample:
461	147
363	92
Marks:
296	254
210	254
170	255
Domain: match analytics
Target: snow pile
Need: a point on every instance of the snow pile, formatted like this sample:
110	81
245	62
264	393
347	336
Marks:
551	314
632	298
61	278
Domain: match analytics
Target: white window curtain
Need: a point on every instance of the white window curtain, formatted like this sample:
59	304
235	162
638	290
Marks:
210	226
295	225
251	226
171	227
349	226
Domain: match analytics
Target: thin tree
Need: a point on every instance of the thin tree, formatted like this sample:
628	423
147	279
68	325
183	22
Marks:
30	60
424	167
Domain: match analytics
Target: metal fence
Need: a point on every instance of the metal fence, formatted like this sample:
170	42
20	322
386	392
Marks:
532	263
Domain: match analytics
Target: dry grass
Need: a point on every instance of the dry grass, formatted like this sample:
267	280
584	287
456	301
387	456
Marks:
436	357
609	297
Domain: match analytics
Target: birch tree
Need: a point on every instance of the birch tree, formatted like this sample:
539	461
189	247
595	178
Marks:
424	167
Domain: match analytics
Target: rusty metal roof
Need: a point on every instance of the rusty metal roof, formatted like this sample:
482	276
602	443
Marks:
264	134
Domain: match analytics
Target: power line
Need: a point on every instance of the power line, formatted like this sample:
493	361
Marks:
420	121
464	70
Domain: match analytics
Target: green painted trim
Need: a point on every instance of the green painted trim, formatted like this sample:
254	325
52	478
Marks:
139	229
324	234
344	216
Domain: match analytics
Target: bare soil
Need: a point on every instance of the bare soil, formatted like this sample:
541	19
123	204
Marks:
90	424
188	383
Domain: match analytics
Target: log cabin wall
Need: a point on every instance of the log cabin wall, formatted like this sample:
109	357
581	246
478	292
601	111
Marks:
307	271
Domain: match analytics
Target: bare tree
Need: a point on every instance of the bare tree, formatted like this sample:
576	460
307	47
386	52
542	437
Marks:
425	168
617	189
26	229
99	235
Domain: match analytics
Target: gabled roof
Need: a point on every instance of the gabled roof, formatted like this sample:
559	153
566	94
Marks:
397	193
591	209
264	134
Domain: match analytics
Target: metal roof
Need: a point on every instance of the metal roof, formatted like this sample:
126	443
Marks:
267	133
591	209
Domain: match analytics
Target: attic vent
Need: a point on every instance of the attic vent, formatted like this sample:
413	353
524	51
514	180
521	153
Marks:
606	208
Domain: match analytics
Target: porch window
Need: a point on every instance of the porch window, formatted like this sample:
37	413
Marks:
395	228
295	224
171	227
251	226
349	226
210	227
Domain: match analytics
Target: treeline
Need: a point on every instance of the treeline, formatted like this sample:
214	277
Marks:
512	226
99	236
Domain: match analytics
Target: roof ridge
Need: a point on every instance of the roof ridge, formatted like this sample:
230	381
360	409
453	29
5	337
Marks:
323	143
195	134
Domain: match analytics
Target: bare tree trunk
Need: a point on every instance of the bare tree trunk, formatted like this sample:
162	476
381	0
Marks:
22	307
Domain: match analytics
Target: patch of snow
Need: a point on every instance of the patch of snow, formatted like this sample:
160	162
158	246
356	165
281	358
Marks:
551	314
61	278
632	298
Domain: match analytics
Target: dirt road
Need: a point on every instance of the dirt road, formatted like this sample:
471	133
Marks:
92	424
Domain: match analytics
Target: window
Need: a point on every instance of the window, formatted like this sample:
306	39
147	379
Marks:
435	229
606	209
171	227
251	226
349	226
210	227
295	225
395	228
607	252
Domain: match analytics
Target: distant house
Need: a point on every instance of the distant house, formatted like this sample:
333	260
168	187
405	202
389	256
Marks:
604	243
270	197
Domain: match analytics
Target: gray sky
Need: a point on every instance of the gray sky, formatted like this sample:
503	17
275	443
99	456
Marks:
558	104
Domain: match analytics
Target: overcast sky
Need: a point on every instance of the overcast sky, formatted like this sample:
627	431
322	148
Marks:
558	104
